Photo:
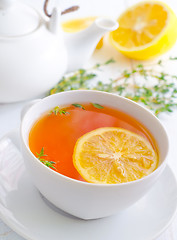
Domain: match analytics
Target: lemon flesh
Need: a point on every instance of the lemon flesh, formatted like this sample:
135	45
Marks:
112	155
146	30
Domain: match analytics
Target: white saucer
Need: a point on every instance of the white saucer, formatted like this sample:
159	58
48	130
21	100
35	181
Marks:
24	210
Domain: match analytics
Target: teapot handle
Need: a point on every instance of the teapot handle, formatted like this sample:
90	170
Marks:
68	10
55	16
55	21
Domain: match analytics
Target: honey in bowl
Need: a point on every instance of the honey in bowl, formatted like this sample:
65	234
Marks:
94	143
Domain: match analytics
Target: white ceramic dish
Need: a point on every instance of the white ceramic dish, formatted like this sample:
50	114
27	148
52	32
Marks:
24	209
91	201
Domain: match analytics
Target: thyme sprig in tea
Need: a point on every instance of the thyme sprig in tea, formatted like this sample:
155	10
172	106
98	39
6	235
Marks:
45	162
96	105
148	85
57	110
64	111
78	105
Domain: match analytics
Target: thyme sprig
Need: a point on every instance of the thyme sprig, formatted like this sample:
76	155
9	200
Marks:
79	79
78	105
45	162
158	91
57	110
148	85
96	105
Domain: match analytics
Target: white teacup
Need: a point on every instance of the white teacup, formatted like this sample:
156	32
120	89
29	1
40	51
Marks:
82	199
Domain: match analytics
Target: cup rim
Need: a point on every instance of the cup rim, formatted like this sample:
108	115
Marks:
57	174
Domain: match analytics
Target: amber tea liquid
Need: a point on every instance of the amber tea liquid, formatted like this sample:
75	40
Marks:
58	133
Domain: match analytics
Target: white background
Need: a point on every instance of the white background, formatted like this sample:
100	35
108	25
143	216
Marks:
10	113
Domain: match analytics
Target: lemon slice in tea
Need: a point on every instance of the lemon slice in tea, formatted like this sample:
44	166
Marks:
112	155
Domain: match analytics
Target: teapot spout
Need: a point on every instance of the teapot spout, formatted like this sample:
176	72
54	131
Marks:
80	46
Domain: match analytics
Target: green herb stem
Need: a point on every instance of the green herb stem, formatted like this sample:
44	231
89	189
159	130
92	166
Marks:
45	162
153	88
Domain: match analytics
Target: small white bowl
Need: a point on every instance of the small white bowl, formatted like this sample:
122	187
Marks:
82	199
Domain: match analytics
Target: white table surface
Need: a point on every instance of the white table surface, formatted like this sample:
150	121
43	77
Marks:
10	113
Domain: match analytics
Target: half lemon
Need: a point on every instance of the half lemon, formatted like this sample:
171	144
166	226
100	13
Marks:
146	30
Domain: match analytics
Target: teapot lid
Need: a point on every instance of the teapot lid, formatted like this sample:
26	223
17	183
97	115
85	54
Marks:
17	19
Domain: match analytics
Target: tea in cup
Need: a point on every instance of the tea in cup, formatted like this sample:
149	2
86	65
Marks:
61	136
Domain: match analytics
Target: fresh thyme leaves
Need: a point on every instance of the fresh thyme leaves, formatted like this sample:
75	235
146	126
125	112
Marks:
148	85
48	163
109	61
45	162
78	105
41	154
78	80
158	92
58	110
96	105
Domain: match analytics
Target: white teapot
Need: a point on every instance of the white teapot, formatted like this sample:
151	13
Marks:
35	53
